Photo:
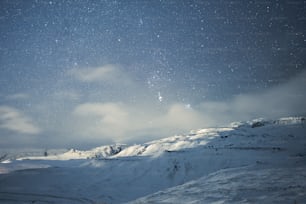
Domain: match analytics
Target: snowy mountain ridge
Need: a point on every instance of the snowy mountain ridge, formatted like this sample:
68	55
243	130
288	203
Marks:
211	165
175	143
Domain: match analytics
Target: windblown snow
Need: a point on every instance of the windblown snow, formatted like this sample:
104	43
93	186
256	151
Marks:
260	161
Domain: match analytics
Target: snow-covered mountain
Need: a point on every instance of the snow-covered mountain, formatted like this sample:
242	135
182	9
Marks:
258	161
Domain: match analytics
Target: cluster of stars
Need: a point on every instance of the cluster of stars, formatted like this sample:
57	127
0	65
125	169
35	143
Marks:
185	52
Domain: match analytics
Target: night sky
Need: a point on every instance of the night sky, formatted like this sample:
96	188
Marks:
87	73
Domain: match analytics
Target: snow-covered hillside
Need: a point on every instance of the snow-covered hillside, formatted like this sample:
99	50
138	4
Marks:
238	185
246	162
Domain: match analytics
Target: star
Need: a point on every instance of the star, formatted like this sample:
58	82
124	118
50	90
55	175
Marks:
160	98
188	106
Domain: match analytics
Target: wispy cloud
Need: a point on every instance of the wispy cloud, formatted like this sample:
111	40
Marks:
17	96
70	117
93	74
67	95
287	99
13	120
179	117
105	74
102	119
121	122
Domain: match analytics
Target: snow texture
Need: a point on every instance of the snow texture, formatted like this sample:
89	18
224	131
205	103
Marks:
247	162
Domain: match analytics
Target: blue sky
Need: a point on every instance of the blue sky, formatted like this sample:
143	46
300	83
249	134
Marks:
85	73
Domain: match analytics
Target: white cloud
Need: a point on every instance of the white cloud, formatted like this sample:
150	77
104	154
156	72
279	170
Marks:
284	100
179	117
101	119
13	120
109	112
17	96
111	74
80	119
67	95
93	74
121	122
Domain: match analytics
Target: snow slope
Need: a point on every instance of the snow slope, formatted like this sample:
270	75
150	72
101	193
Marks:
238	185
256	161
